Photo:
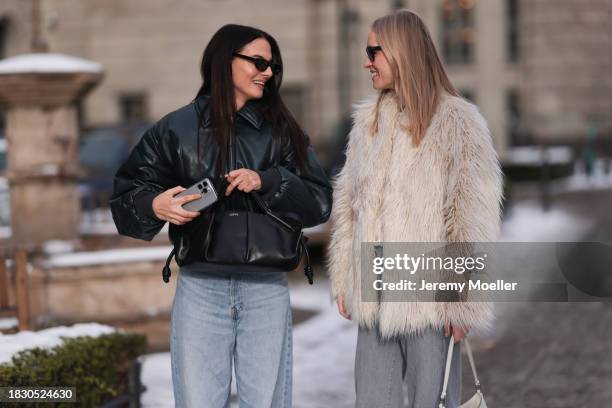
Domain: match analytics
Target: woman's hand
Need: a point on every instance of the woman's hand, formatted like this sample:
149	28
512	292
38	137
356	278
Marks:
341	308
169	208
244	179
458	332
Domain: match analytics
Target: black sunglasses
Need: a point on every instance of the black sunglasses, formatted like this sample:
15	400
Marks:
371	51
261	64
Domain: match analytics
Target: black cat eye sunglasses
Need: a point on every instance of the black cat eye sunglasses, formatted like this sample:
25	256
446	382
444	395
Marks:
261	64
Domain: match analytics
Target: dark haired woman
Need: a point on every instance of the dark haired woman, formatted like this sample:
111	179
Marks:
226	314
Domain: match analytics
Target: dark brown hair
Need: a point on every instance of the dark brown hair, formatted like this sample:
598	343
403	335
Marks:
217	84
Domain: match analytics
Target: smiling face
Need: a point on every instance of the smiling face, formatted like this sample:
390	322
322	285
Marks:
380	69
248	81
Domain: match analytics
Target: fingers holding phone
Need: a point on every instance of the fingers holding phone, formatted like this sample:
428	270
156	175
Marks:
168	206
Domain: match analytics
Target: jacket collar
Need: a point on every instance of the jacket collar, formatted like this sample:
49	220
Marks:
249	111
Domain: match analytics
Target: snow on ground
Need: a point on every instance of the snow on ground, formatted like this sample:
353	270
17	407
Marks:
323	353
534	155
5	232
120	255
156	375
47	338
580	181
527	222
313	297
8	322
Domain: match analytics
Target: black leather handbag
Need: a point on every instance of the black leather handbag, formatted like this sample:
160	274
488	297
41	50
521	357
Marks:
257	238
253	238
239	237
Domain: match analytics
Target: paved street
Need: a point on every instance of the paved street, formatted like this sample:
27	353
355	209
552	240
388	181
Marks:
553	355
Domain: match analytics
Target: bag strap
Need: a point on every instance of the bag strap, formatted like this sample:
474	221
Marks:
260	202
449	359
303	239
266	209
166	272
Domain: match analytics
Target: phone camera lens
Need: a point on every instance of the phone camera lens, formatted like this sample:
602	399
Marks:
205	190
199	186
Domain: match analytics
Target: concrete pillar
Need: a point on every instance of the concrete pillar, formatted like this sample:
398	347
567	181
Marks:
40	92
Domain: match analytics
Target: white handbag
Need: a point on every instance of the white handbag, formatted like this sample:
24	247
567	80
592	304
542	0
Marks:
477	400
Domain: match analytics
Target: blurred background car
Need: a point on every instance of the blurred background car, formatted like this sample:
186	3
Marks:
101	151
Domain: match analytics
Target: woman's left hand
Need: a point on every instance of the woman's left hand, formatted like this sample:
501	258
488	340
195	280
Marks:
244	179
458	332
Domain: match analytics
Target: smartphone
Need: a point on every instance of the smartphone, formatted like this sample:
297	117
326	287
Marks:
206	189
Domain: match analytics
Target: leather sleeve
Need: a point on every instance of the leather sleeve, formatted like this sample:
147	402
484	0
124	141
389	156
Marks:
270	182
306	192
147	172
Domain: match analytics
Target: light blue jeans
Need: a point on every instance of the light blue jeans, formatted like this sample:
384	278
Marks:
220	319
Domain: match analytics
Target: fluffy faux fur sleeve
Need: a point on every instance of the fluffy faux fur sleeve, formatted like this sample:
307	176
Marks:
473	196
472	205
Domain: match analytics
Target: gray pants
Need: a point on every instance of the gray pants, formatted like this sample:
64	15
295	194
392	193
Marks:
405	372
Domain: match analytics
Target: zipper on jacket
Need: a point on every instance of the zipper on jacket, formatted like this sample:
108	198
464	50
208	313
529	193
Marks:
232	166
232	156
378	253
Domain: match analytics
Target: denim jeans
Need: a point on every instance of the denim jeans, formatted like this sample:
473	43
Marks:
406	371
220	320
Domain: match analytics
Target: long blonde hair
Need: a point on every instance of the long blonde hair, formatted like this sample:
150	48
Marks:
419	76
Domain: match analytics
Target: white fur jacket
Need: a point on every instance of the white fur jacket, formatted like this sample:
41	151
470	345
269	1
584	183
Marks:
448	189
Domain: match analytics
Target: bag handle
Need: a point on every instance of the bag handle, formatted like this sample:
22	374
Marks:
303	239
266	209
449	359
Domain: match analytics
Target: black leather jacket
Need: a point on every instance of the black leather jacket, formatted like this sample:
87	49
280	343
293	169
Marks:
166	156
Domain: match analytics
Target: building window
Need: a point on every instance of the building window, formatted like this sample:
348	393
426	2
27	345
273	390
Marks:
458	33
512	27
398	4
4	28
80	111
2	121
133	107
3	36
293	96
515	131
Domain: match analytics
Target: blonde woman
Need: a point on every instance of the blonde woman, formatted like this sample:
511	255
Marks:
420	167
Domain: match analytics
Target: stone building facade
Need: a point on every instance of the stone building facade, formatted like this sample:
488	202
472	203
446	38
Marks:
538	69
